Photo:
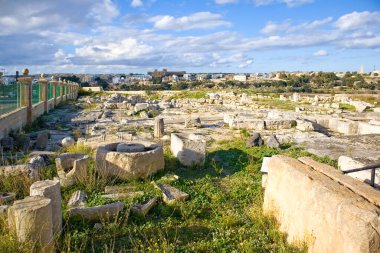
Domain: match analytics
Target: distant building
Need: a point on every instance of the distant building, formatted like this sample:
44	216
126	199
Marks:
189	77
159	74
201	77
240	78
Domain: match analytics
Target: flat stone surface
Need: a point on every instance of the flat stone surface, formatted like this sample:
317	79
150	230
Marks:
171	194
145	207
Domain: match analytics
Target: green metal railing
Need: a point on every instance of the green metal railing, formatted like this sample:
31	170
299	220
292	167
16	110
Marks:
9	97
37	93
50	91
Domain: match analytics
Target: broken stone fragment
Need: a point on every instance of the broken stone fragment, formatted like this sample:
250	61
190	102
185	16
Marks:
273	142
97	213
77	199
171	194
145	207
255	140
42	140
123	195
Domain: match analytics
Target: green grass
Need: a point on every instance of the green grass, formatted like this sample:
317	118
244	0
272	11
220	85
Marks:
347	107
190	95
223	212
276	104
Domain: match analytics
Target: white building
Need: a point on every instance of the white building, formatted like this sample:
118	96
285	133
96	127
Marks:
240	78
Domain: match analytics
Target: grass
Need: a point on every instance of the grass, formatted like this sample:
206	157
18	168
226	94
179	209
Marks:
190	95
276	104
222	214
347	107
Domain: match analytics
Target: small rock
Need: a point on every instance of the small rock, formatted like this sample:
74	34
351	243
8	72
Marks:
145	207
67	141
171	194
272	142
123	195
77	199
193	122
255	140
42	140
98	225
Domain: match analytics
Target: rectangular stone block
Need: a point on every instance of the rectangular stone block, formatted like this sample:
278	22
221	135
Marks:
313	208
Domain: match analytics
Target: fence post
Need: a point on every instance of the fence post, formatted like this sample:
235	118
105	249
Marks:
60	89
44	83
66	83
54	83
26	94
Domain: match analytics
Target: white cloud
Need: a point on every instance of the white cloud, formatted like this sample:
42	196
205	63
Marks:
320	53
226	1
246	64
137	3
289	3
287	26
358	20
198	20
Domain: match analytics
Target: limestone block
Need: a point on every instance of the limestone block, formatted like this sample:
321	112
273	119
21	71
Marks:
52	190
171	194
314	208
366	128
71	168
123	195
97	213
343	126
129	165
189	152
31	220
279	124
145	207
77	199
141	106
130	147
159	129
42	140
303	125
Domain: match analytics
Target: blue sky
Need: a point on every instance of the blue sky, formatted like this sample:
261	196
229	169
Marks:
122	36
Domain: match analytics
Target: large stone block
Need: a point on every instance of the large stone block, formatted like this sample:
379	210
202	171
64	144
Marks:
188	150
31	220
130	165
343	126
52	190
313	208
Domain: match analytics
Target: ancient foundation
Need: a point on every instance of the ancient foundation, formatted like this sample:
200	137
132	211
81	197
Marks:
130	160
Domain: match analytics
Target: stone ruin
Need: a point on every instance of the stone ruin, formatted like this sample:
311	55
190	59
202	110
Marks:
134	160
71	168
189	149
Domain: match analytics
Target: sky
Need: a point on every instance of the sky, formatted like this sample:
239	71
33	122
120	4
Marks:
241	36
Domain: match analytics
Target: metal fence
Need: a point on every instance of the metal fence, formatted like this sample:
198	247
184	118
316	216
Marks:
50	91
36	93
10	97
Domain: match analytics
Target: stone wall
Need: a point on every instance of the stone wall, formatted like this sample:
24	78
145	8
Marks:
316	204
37	110
12	121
